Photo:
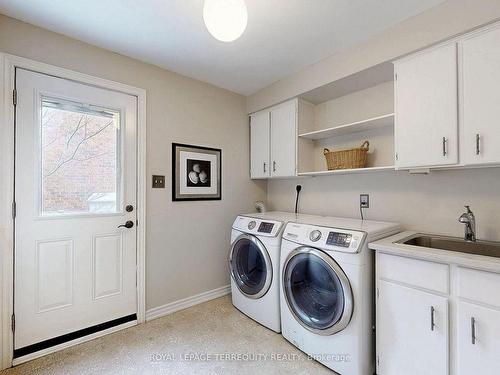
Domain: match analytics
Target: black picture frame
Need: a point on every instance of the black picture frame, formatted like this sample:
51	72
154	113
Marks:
209	180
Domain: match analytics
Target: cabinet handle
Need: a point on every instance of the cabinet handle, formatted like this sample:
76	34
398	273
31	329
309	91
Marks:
444	146
478	144
432	318
274	166
473	330
264	167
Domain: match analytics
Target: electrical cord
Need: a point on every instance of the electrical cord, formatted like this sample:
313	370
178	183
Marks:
361	212
298	188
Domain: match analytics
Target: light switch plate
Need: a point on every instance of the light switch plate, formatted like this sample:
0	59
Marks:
158	182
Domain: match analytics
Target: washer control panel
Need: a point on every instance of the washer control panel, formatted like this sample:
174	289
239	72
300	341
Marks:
261	227
336	239
265	227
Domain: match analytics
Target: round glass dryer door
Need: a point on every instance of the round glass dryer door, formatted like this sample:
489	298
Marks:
317	291
250	266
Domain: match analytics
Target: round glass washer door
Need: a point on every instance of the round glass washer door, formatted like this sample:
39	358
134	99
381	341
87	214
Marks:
250	266
317	291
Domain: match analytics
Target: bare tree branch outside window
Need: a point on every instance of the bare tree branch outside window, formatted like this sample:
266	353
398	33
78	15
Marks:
78	158
74	148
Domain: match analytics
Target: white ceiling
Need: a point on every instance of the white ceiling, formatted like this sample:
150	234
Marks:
282	36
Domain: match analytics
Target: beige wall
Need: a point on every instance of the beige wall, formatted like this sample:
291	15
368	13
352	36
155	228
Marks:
429	203
357	106
451	18
187	242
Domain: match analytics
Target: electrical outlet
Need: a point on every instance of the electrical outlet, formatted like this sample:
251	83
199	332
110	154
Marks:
364	200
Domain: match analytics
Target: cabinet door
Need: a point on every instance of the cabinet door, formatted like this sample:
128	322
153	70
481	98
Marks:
426	128
284	139
480	93
259	145
478	340
412	331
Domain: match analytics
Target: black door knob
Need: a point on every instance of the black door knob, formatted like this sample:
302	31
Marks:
129	224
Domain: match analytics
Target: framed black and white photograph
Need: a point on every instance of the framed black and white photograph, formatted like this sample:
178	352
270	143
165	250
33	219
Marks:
196	173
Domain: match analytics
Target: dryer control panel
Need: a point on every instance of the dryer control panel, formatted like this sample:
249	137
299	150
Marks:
335	239
261	227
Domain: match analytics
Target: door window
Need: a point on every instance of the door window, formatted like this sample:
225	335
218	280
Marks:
80	168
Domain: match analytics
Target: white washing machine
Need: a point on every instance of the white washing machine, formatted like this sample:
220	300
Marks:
254	265
327	290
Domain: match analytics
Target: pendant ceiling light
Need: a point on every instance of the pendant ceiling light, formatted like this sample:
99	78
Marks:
226	20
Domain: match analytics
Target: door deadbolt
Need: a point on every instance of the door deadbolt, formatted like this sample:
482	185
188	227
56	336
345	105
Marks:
129	208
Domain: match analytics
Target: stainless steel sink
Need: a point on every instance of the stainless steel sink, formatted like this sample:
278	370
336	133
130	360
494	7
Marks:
491	249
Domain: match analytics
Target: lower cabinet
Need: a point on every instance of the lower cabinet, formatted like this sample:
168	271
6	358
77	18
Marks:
478	340
412	331
436	318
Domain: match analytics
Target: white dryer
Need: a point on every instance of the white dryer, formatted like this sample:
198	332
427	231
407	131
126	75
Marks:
327	290
254	265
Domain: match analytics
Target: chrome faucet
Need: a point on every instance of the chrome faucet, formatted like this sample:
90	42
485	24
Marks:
469	220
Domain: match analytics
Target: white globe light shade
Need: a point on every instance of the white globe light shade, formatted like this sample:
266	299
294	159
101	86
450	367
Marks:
226	20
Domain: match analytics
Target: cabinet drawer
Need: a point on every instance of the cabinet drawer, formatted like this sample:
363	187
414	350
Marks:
479	286
420	273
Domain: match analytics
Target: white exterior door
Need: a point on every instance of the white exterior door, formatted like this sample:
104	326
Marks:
75	184
426	105
478	339
480	93
259	145
412	331
284	139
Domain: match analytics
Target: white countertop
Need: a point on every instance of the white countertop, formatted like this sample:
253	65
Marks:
373	228
389	245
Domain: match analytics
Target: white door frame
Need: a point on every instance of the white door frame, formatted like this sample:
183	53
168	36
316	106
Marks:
8	63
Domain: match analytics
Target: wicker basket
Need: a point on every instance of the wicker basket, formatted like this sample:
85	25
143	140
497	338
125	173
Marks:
347	159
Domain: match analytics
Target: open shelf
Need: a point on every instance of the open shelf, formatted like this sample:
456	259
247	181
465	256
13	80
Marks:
348	171
354	127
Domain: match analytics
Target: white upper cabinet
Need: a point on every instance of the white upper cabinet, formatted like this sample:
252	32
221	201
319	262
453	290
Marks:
426	109
273	141
480	92
284	139
260	145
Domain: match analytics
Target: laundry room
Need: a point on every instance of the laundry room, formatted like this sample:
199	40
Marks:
242	186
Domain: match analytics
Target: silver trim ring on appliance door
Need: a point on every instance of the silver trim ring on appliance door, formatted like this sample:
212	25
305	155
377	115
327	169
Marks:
348	307
267	261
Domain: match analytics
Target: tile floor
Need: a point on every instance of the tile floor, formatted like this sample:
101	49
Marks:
179	344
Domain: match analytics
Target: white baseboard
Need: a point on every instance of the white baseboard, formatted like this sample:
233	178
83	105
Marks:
184	303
